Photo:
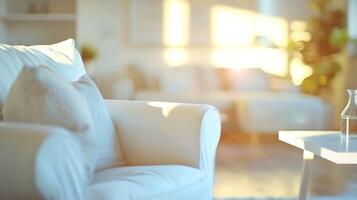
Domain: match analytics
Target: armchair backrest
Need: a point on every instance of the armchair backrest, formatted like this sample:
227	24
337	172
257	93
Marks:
62	57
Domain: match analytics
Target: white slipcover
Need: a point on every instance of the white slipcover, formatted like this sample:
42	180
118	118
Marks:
150	182
40	161
168	146
172	145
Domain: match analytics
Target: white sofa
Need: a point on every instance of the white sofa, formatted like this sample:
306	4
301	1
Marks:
169	147
253	101
257	112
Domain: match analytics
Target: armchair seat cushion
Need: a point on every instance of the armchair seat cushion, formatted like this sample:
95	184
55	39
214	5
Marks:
148	182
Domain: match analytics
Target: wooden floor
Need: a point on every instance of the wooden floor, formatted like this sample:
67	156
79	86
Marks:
253	165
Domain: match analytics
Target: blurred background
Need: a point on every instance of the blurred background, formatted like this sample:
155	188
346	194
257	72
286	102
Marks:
267	65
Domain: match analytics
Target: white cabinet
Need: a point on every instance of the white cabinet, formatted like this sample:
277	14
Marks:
31	22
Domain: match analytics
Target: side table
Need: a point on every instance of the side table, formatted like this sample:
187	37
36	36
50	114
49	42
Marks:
326	144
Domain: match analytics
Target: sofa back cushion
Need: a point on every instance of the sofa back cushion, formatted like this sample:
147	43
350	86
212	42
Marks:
250	79
62	57
190	79
179	79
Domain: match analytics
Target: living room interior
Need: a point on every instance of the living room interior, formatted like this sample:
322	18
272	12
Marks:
178	99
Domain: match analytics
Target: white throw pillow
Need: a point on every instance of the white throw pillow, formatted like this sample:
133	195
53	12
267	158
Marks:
109	151
41	96
62	58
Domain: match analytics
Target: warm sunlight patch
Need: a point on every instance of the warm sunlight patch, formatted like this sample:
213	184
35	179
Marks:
175	57
232	26
271	60
166	107
176	22
273	28
246	39
299	71
299	31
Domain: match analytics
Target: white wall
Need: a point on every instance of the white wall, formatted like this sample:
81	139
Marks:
110	27
99	24
109	32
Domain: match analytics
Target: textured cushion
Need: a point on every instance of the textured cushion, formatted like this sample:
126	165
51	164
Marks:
40	96
62	57
146	182
109	152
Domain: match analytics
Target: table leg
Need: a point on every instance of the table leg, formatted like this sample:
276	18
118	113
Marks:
306	171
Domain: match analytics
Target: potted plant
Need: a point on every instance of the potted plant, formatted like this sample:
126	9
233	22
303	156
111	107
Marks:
88	52
328	39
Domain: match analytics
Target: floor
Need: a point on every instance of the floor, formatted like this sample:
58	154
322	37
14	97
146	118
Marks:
250	165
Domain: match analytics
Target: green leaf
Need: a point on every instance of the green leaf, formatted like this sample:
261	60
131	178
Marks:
338	37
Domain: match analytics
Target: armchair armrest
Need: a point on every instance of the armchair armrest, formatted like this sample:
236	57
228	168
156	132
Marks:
153	133
39	161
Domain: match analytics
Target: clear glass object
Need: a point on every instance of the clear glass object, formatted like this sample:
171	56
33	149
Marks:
349	116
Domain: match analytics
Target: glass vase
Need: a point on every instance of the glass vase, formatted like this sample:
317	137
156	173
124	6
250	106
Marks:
349	116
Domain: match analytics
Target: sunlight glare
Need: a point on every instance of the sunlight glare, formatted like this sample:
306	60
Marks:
175	57
274	28
270	60
308	155
166	107
299	71
234	32
299	31
176	22
232	26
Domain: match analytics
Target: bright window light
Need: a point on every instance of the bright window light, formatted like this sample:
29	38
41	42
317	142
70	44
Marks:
274	28
176	22
298	31
273	61
246	39
232	26
175	57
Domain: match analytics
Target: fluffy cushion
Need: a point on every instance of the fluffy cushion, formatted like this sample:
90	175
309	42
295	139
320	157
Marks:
62	57
39	95
109	152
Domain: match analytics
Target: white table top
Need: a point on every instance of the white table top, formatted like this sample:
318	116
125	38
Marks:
326	144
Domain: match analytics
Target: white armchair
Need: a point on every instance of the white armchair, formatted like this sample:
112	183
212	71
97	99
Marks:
170	149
